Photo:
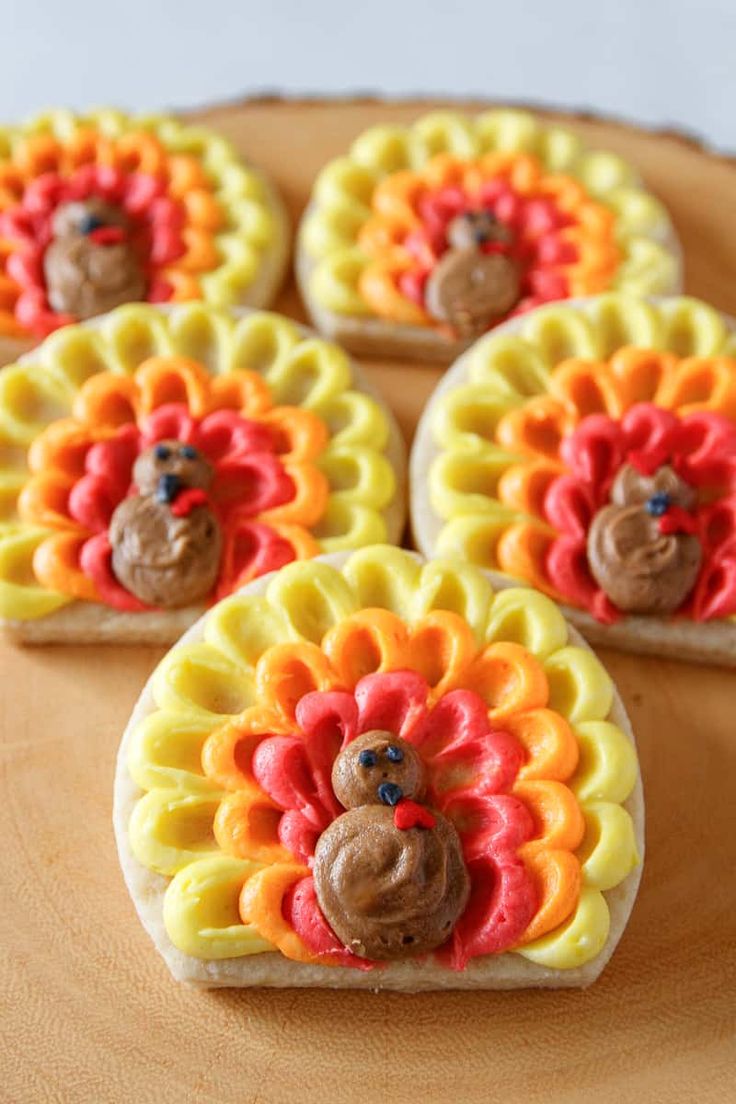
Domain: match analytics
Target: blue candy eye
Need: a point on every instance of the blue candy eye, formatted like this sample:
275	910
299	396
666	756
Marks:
367	758
162	452
658	504
88	223
188	452
395	754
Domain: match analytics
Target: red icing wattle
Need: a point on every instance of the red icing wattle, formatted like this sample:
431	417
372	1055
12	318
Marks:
677	520
701	447
410	814
469	767
188	500
249	478
156	222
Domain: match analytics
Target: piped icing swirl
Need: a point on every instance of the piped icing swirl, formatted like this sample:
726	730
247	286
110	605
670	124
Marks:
388	892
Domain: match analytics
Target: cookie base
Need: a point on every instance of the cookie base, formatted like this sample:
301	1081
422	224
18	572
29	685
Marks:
273	970
96	623
711	642
259	295
368	335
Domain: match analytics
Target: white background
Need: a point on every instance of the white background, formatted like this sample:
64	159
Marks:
658	62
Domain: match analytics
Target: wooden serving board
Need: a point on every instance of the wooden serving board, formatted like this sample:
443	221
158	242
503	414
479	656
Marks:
88	1011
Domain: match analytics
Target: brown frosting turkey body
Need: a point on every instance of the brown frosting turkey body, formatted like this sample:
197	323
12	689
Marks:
470	289
84	277
387	892
162	559
641	569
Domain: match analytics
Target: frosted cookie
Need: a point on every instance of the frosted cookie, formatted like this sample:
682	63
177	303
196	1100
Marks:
102	209
590	450
366	771
156	459
423	238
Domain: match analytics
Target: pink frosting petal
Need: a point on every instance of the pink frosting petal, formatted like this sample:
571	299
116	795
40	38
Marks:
225	435
253	483
569	506
172	421
301	910
715	590
503	900
140	191
298	834
706	450
282	768
96	562
113	460
328	719
594	452
91	503
568	571
717	526
395	701
647	427
250	549
492	760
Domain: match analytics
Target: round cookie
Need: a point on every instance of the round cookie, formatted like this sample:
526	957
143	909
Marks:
251	841
103	209
156	459
386	267
589	449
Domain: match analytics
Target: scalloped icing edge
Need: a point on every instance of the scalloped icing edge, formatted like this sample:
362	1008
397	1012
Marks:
369	335
273	970
273	261
711	642
95	623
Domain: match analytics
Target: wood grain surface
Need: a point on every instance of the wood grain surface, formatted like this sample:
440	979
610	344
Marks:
89	1013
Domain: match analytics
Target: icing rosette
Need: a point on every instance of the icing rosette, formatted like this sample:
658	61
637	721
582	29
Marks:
161	445
590	450
101	209
441	772
423	237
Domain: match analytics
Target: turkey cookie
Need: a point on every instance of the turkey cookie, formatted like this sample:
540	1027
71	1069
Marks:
157	459
368	771
590	450
422	238
103	209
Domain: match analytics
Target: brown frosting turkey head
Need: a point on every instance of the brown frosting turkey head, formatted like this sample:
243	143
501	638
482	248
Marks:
374	759
467	288
387	892
631	487
641	569
163	559
476	228
175	460
90	265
